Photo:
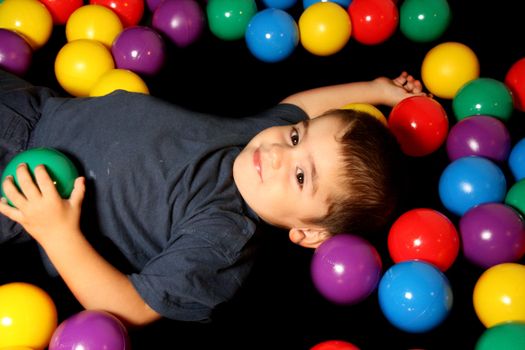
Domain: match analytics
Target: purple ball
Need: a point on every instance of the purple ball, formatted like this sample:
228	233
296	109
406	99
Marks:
90	330
492	233
153	4
182	21
479	135
15	52
139	49
346	269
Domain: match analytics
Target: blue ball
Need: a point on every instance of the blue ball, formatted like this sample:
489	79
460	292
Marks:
469	181
415	296
279	4
343	3
517	160
272	35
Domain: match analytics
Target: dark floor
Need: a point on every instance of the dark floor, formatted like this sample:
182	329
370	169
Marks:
279	307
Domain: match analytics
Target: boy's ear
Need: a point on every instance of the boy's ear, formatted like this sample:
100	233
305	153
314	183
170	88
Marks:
308	237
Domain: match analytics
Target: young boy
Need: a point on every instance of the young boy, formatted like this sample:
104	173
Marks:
170	199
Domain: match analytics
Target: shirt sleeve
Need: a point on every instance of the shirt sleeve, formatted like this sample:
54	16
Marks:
191	277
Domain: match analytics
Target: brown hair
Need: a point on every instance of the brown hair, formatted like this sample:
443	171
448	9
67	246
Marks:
370	181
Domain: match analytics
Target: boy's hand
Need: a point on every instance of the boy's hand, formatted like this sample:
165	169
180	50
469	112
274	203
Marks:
395	90
38	205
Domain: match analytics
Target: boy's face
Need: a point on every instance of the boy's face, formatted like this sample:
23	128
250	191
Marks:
287	173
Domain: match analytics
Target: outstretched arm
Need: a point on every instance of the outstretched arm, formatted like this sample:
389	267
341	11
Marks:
54	223
380	91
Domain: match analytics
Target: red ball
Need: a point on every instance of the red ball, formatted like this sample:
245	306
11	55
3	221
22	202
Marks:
424	234
373	21
335	344
420	125
129	12
515	81
61	9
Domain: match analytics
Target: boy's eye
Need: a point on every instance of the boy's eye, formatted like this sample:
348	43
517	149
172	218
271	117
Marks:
300	177
294	136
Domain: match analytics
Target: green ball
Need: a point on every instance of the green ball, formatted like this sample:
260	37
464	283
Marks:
516	197
424	20
228	19
59	167
483	96
503	336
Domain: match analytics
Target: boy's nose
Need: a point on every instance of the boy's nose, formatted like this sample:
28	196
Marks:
276	155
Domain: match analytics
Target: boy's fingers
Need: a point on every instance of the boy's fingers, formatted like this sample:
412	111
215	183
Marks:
79	189
9	211
26	183
12	192
45	182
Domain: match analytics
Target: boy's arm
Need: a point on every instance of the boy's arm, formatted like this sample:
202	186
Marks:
380	91
54	223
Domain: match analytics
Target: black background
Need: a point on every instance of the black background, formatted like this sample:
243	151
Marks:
280	308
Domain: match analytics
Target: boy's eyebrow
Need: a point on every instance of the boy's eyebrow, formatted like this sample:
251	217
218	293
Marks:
315	183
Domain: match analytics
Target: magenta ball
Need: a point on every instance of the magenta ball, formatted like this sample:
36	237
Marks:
182	21
491	234
480	135
153	4
90	330
15	52
140	49
346	269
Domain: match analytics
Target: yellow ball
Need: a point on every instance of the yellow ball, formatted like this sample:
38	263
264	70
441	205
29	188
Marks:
115	79
28	316
324	28
447	67
29	18
80	64
95	22
368	108
499	294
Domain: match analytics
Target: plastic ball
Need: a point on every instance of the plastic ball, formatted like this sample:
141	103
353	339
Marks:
324	28
504	336
29	18
345	269
470	181
16	54
480	135
28	314
153	4
424	20
119	79
80	64
60	10
279	4
516	196
517	160
415	296
272	35
483	96
491	234
420	125
129	12
515	81
424	234
447	67
181	21
93	22
334	345
90	330
499	295
343	3
368	108
228	19
140	49
59	167
373	21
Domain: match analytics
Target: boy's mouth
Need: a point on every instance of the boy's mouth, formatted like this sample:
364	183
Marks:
257	162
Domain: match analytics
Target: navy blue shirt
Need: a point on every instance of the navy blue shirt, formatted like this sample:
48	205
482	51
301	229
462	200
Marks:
161	203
